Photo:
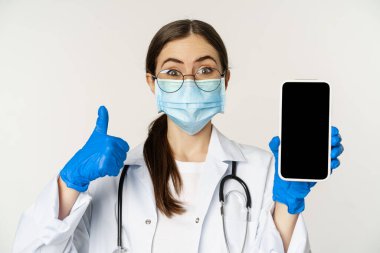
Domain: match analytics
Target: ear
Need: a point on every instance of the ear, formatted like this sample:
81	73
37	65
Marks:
150	81
227	77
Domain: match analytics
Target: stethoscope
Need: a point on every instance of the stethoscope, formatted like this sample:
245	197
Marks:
248	205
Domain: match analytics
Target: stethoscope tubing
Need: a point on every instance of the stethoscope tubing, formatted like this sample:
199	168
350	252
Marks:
221	200
248	203
233	176
120	207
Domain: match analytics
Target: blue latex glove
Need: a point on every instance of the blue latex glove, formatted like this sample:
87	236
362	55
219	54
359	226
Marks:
101	155
292	193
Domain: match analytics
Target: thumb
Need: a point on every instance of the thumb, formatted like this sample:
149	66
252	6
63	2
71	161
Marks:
102	121
274	143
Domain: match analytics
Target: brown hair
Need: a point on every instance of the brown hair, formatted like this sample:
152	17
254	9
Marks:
158	154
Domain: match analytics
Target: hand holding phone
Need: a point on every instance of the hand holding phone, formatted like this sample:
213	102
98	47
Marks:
292	192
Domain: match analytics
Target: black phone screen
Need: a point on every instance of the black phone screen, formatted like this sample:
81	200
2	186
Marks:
305	130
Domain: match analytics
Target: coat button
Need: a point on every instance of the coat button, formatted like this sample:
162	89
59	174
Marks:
197	220
147	221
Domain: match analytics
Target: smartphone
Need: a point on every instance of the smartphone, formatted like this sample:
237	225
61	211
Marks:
305	131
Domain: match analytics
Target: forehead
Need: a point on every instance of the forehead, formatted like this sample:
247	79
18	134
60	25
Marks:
187	49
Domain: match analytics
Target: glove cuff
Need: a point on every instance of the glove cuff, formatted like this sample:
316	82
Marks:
79	188
295	206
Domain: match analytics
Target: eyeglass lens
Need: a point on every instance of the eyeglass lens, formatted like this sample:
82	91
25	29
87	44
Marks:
206	79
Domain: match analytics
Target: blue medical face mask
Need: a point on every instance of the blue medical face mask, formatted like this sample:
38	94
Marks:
190	107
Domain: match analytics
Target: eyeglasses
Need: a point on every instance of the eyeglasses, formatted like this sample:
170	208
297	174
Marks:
206	78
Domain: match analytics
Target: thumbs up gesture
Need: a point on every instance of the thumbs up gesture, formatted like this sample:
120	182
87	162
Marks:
101	155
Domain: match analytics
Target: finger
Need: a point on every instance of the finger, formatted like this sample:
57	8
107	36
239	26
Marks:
119	154
121	143
335	140
114	171
334	163
102	120
300	189
274	143
311	184
120	165
114	150
334	130
107	161
111	166
336	151
111	169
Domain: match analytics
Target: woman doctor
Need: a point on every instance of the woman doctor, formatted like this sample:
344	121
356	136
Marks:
170	194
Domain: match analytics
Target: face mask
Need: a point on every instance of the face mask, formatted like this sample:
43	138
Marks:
190	107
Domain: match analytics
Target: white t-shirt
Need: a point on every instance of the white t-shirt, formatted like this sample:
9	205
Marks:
177	234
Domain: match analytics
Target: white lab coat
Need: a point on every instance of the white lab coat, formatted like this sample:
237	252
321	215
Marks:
92	225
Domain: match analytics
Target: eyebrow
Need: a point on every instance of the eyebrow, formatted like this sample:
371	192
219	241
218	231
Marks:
197	60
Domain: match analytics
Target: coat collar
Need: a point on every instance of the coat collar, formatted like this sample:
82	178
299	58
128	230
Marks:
220	152
220	149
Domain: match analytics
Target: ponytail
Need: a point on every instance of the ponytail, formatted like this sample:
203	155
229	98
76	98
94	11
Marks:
159	159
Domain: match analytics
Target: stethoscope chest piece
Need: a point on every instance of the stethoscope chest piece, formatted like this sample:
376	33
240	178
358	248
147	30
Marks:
120	250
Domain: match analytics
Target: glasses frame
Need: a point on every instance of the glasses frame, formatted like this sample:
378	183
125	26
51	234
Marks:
193	75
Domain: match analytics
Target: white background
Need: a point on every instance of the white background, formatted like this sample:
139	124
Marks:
60	60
